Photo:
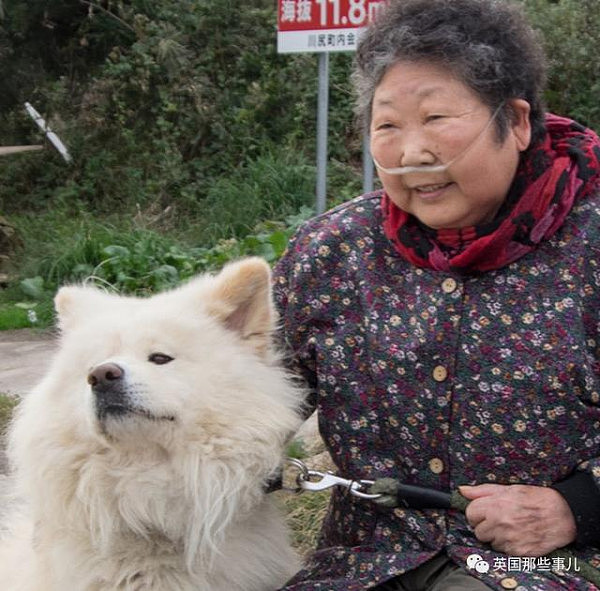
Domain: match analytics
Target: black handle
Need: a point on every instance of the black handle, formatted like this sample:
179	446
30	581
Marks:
419	497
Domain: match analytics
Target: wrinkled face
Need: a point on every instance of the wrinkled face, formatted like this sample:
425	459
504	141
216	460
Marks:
423	115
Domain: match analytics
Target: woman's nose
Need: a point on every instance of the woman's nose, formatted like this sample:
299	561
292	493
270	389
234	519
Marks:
415	150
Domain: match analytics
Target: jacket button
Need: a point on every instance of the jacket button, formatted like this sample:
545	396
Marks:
440	373
449	285
509	583
436	465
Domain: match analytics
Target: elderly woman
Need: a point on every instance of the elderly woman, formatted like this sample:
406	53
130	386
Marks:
449	324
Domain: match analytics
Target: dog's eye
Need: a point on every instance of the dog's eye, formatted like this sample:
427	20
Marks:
159	358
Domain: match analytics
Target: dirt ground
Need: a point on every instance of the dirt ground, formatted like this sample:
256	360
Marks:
24	357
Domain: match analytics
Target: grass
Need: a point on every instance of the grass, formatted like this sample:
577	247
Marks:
12	317
64	248
132	255
20	310
271	187
304	515
7	404
304	512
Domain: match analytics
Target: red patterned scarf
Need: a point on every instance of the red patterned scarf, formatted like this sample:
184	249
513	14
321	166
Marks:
563	168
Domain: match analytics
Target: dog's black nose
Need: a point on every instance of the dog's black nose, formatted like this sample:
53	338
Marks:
105	374
108	386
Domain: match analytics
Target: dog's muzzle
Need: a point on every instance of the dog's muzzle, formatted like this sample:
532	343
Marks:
108	386
114	397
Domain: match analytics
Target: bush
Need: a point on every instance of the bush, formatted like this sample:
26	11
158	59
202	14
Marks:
161	101
157	101
121	255
13	316
571	34
269	188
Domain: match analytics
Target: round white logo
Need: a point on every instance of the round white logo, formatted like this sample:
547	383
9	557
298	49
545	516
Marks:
474	561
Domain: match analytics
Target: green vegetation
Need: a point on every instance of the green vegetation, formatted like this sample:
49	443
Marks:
304	515
296	449
7	404
193	140
571	34
158	102
124	256
13	316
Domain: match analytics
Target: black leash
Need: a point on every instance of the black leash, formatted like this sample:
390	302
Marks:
391	494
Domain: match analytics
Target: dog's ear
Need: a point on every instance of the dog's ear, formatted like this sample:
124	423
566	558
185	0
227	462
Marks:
241	300
74	302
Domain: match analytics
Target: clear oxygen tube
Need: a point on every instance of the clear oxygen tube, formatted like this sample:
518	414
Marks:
437	168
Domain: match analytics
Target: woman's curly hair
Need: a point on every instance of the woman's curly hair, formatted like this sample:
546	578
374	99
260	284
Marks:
488	44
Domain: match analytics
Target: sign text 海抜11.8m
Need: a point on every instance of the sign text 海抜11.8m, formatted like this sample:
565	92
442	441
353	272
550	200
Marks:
323	25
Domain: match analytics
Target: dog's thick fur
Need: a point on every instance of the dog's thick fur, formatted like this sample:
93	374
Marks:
154	479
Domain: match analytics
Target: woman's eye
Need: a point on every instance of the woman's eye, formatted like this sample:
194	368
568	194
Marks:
433	117
159	358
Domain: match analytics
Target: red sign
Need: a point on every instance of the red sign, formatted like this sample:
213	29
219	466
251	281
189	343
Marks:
323	25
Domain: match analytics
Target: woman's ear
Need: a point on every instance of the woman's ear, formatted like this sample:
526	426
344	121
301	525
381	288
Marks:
520	124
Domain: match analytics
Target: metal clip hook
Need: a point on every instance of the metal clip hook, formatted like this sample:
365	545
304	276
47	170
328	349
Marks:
328	480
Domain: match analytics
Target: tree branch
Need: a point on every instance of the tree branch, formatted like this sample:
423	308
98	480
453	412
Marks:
109	13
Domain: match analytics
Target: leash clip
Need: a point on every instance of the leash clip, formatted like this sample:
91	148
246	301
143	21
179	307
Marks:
315	480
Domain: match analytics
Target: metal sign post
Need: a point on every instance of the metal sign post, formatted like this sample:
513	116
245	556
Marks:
325	26
368	165
322	125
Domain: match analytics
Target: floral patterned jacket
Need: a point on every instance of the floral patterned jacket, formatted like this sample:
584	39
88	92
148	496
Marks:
440	380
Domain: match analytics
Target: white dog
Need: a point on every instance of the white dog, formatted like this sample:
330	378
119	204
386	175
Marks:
144	452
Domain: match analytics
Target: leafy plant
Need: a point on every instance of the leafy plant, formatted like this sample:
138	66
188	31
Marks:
126	258
159	102
571	35
12	316
269	187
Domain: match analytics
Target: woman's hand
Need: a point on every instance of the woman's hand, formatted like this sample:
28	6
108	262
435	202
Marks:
519	520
